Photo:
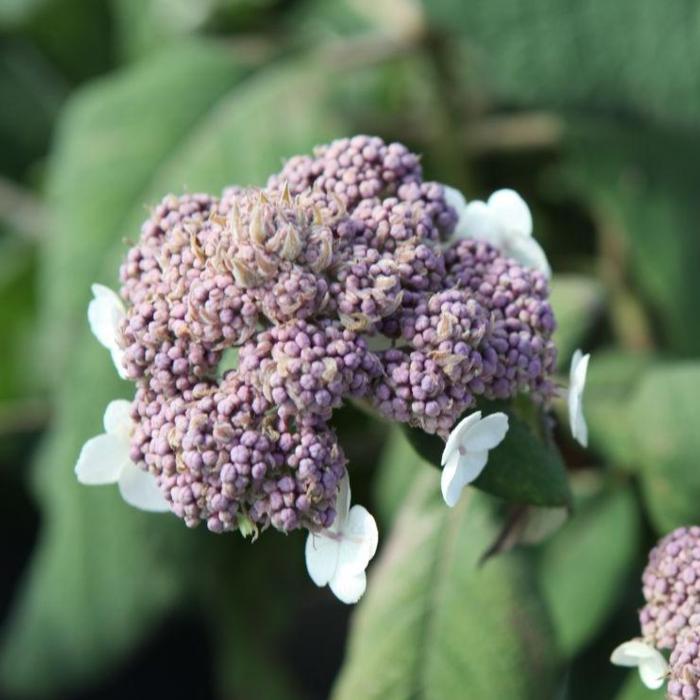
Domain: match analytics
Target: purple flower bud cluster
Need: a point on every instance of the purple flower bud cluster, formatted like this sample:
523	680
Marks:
519	354
306	369
671	588
684	681
670	618
335	281
354	169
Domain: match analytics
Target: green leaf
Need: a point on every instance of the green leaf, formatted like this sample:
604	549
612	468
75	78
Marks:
640	184
664	414
565	53
144	26
521	469
589	560
433	624
103	575
18	375
577	301
398	467
634	689
613	378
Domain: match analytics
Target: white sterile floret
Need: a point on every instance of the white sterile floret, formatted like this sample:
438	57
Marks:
105	315
651	664
467	450
338	556
577	382
104	459
504	221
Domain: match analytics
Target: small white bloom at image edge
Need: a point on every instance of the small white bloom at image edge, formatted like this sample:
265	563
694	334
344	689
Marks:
338	556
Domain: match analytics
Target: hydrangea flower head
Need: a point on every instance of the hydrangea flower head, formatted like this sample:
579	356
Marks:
671	587
342	279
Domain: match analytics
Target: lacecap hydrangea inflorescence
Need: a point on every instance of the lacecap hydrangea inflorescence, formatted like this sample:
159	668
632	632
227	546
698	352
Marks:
347	277
670	617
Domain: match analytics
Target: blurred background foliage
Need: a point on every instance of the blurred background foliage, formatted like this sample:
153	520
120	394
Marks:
589	109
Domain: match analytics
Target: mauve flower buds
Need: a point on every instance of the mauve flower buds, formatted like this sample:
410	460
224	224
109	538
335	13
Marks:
343	251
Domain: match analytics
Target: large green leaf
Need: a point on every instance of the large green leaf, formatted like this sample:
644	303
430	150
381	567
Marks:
521	469
664	414
577	302
144	26
398	467
643	416
640	183
102	573
433	624
18	375
634	689
100	577
612	56
613	378
589	559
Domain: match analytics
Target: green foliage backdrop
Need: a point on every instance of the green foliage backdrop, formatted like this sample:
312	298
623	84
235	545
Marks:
590	109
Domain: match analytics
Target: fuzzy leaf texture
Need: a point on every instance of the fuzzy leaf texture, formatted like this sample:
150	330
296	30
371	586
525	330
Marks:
610	57
433	624
584	562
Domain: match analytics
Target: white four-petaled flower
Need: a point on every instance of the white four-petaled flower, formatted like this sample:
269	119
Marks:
467	450
651	664
105	315
504	221
577	382
104	459
339	555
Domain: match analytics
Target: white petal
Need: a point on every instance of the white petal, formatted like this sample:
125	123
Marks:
629	653
358	542
575	359
349	588
580	371
479	222
102	460
486	433
651	663
511	211
454	199
653	671
471	465
118	360
139	489
528	252
117	419
579	368
459	471
450	483
105	313
321	558
456	437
